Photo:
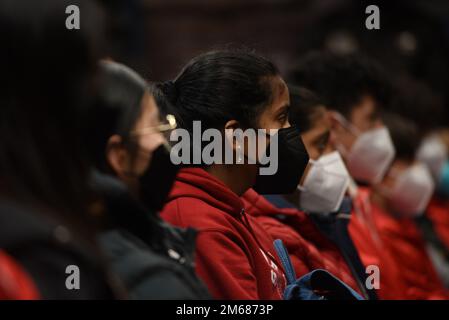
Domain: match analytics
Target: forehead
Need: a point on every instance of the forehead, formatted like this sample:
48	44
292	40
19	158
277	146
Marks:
366	107
281	96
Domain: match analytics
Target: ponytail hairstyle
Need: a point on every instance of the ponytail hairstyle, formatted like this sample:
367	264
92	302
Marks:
220	86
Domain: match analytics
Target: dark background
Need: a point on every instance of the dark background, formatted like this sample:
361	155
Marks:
157	37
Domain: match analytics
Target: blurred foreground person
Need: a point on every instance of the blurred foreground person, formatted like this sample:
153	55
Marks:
397	200
316	238
133	176
355	90
46	228
227	91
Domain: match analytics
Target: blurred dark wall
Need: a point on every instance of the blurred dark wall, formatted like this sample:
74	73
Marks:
164	34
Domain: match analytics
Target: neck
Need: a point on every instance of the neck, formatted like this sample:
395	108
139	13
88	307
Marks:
238	178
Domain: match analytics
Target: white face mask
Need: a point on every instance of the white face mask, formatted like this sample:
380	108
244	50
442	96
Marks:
371	154
433	153
412	191
325	184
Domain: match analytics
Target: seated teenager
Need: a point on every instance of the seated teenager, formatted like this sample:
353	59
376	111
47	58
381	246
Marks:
227	91
316	238
133	177
397	200
355	90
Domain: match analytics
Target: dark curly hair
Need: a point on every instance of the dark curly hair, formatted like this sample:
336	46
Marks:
342	80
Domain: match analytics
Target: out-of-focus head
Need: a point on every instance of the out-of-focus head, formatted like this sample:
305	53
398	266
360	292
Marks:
126	137
326	179
354	89
351	85
416	101
124	104
48	77
407	186
309	114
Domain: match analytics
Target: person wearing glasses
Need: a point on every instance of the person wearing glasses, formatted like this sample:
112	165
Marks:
132	177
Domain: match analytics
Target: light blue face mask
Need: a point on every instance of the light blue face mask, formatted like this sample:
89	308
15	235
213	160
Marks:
443	185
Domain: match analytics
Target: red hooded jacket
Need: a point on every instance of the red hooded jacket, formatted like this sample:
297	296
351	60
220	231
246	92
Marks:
308	248
371	249
235	256
438	213
15	283
404	241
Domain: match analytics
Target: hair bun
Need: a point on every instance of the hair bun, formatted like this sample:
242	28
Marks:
170	91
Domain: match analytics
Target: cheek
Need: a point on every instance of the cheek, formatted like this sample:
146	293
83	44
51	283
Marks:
266	121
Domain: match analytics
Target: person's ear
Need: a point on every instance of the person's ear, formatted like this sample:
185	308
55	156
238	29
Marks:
232	140
335	124
117	156
229	128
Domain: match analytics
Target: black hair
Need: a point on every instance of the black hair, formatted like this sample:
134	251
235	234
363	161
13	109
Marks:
404	134
46	80
116	110
342	80
305	106
219	86
417	102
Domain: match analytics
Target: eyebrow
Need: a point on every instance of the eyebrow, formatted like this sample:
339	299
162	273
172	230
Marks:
283	108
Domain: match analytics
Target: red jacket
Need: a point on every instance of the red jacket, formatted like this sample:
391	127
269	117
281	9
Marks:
308	248
438	213
404	241
15	283
371	249
235	256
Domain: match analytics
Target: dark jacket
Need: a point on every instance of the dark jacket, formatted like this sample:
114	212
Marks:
153	259
43	248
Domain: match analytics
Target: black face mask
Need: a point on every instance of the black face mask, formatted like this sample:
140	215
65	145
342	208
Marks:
158	179
292	161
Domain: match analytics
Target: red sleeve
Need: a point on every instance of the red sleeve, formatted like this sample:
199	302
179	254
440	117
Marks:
224	266
15	283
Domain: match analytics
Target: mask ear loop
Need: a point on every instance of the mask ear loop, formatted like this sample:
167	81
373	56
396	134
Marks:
348	126
312	163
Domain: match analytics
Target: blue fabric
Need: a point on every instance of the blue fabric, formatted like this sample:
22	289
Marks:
443	185
279	201
320	285
316	285
282	253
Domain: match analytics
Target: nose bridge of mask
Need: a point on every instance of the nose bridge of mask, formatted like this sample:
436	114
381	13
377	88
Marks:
346	124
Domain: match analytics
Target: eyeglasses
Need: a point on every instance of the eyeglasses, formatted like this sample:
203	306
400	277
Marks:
165	127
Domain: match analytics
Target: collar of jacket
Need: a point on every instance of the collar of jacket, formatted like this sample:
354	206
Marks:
197	183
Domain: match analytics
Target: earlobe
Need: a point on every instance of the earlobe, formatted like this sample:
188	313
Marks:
233	141
229	128
116	155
